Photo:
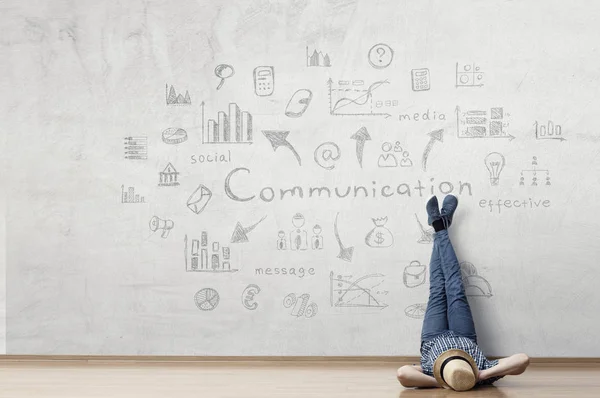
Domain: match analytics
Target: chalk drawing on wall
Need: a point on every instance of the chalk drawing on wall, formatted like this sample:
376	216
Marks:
434	136
494	162
474	284
346	292
199	199
361	136
174	136
168	177
204	256
482	124
317	238
299	236
414	274
298	103
264	80
206	299
421	79
380	236
469	75
164	225
223	71
129	196
317	58
300	306
416	311
345	252
136	148
240	233
278	138
172	98
532	175
327	154
248	297
233	127
352	98
426	234
380	56
387	158
550	131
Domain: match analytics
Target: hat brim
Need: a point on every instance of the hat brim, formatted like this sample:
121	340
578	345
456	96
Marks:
437	366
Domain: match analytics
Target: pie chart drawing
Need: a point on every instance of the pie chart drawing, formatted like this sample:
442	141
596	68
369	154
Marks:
174	136
206	299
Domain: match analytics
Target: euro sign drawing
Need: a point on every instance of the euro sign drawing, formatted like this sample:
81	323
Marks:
379	236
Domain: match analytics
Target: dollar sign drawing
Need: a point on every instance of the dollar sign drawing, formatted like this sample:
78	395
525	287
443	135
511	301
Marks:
379	238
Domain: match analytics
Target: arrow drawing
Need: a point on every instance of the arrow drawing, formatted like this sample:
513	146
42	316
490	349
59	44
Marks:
240	233
360	136
345	252
437	135
279	138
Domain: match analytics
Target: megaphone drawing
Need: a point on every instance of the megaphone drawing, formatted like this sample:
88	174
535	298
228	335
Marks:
158	223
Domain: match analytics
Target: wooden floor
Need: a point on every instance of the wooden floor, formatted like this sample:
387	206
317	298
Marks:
267	380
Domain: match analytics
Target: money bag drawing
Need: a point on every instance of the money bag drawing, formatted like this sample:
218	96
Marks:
379	236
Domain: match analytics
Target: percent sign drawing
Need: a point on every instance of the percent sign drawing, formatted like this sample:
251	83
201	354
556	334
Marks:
300	305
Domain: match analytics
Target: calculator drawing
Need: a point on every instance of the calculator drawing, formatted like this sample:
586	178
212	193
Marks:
420	79
264	80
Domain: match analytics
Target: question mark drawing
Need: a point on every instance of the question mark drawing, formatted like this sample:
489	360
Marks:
381	56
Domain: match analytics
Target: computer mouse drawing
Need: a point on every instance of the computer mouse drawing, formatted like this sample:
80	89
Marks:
298	103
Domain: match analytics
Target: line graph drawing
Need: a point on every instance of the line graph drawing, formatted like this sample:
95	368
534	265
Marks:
346	292
351	98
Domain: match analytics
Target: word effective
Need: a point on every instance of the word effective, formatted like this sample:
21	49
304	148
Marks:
509	203
267	194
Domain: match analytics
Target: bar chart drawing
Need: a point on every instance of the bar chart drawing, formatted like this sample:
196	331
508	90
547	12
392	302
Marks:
232	127
136	148
204	256
481	123
550	131
129	196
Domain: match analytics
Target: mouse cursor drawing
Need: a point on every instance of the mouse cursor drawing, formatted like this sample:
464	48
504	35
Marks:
437	135
279	138
360	136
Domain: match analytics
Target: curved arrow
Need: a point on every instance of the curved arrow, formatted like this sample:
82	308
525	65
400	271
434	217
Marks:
437	135
360	136
279	138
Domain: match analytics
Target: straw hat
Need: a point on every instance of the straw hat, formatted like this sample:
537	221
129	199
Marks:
455	369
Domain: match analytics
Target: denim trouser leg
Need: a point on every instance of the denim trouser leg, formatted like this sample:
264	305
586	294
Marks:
436	320
460	319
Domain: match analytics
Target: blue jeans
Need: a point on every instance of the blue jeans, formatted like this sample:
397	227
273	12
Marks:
447	308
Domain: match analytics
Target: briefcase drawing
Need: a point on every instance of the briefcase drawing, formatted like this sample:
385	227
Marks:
414	274
199	199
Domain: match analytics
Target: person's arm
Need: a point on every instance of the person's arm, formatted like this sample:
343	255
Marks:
413	376
513	365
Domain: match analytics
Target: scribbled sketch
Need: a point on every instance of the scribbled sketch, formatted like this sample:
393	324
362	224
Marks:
344	291
199	199
234	127
533	171
223	72
168	177
298	103
379	236
317	58
475	285
469	76
130	196
416	311
206	299
494	162
426	234
435	136
240	233
205	256
165	225
248	297
327	154
278	138
172	98
264	80
387	158
345	252
479	123
174	135
380	56
361	136
421	80
298	236
300	305
136	148
317	238
351	98
549	132
414	274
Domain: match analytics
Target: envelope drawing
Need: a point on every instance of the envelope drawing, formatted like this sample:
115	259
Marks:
199	199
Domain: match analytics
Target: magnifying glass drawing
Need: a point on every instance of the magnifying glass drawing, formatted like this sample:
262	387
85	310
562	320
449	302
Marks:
224	71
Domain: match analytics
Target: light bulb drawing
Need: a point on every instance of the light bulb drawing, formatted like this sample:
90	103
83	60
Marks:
495	163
